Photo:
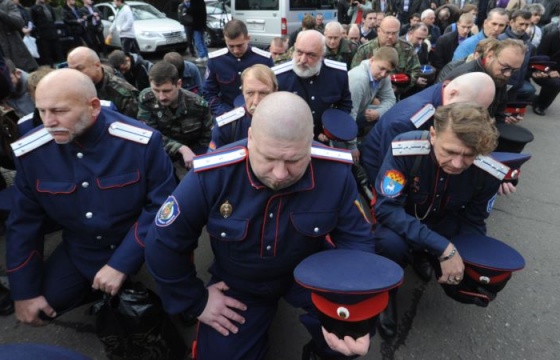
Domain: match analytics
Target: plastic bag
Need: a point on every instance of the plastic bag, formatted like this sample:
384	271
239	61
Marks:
133	326
31	45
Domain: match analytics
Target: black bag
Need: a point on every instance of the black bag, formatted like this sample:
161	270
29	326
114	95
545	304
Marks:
8	134
186	19
133	326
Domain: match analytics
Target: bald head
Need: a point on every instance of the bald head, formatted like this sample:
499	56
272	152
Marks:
311	39
284	116
66	83
475	87
86	61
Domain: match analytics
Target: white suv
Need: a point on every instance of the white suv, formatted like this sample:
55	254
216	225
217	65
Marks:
154	31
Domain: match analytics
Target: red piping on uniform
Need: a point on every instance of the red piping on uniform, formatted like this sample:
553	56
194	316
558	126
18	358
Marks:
137	237
25	262
52	192
120	185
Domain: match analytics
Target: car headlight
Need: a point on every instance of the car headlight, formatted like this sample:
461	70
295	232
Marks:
150	34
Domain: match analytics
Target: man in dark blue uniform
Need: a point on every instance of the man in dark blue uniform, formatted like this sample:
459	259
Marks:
257	82
322	83
101	176
416	113
223	73
267	203
429	191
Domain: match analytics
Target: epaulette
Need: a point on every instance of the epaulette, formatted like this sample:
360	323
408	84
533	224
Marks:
31	142
25	118
339	155
130	132
147	96
410	147
336	64
282	68
217	53
230	116
219	158
491	166
261	52
405	44
107	103
423	115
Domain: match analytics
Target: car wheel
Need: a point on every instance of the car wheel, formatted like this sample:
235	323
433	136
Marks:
208	39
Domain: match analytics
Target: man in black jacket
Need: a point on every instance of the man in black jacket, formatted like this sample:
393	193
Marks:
43	17
549	81
447	43
133	67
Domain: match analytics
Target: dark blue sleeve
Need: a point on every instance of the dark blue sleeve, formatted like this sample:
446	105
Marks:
170	244
390	210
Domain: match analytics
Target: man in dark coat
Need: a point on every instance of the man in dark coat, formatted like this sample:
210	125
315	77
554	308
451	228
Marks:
43	17
12	45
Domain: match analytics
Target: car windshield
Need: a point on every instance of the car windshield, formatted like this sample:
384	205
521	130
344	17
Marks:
215	8
146	12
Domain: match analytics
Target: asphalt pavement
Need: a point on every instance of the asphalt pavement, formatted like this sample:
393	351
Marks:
522	323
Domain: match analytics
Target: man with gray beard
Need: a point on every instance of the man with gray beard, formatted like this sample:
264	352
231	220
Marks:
322	83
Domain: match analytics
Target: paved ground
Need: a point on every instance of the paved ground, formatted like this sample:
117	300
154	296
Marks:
522	323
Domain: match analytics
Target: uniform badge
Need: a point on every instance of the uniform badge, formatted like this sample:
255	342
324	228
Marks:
226	209
490	204
393	183
168	212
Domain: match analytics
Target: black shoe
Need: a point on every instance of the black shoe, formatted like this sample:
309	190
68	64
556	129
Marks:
539	111
388	318
6	303
422	267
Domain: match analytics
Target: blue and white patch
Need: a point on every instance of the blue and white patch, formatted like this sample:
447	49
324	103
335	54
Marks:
168	212
490	204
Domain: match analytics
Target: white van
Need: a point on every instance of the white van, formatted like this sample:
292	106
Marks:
267	19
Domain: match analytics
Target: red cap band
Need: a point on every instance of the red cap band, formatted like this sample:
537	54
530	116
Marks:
364	310
473	274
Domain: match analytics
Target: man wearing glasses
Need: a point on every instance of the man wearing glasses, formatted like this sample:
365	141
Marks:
388	35
502	59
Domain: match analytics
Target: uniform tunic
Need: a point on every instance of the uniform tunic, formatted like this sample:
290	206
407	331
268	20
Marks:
104	191
222	83
422	208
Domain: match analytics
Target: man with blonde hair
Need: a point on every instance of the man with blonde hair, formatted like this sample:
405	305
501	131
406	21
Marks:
257	82
432	186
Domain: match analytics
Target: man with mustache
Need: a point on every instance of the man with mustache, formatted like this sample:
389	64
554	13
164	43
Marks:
322	83
257	82
98	174
182	117
501	61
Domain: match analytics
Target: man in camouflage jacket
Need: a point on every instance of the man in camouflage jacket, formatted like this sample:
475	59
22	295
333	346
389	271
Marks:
181	116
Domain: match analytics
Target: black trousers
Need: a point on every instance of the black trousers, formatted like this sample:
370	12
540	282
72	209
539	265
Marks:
549	90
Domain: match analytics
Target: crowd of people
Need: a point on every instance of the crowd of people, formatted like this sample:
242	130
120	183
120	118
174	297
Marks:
105	142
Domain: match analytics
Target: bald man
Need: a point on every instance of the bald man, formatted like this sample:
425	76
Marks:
416	113
388	35
106	177
109	87
267	203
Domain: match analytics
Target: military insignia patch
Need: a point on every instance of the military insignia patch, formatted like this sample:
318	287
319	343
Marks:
490	204
168	212
393	183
